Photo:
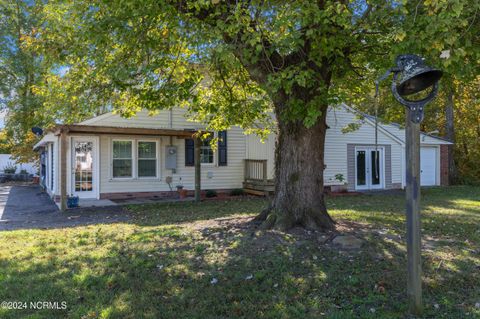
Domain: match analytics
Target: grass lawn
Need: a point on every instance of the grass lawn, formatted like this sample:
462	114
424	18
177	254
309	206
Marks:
185	260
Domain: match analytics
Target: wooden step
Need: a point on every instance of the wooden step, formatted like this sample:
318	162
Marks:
255	192
268	188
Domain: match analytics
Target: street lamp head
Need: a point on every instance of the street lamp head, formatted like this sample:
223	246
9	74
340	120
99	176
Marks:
415	76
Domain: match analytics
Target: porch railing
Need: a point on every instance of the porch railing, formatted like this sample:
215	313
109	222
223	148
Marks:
256	170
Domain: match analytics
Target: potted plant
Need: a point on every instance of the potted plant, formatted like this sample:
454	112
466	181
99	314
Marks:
341	186
72	201
181	191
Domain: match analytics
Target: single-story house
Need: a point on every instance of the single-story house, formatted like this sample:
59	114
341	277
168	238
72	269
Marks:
110	157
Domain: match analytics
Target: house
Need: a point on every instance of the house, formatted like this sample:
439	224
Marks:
110	157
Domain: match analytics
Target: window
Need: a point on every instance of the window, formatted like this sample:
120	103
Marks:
147	159
206	152
122	159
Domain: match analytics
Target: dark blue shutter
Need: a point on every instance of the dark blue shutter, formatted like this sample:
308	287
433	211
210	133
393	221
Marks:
189	152
222	148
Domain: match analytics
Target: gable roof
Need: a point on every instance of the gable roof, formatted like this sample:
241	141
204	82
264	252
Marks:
395	131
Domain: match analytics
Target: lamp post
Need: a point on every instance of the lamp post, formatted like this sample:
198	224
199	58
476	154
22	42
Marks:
411	76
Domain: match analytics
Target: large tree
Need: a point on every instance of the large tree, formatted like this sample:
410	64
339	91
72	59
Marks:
231	62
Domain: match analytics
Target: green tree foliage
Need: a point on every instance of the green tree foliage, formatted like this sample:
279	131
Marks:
25	75
232	62
467	122
447	34
20	70
5	146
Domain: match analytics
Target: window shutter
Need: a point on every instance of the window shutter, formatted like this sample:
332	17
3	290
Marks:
222	148
189	152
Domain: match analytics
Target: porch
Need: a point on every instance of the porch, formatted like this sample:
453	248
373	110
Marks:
77	160
256	181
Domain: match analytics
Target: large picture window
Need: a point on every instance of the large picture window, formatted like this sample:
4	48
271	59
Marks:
147	159
122	159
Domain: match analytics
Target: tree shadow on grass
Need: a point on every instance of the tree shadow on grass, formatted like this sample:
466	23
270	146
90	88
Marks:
227	269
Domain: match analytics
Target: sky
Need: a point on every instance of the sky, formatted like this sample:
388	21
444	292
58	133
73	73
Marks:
2	119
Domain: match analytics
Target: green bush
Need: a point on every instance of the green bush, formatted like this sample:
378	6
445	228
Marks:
211	193
237	192
10	168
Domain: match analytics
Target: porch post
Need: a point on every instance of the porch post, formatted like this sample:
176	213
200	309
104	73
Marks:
63	170
196	157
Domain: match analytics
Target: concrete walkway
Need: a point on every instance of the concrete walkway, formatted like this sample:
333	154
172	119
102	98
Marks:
28	207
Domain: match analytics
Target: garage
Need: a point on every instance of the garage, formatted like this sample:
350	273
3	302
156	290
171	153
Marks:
428	166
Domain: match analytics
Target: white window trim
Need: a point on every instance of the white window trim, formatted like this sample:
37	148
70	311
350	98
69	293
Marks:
132	158
96	165
135	159
157	158
215	159
382	166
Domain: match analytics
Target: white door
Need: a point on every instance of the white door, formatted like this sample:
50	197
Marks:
369	168
428	166
84	167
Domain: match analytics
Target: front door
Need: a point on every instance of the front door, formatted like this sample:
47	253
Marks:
84	179
369	168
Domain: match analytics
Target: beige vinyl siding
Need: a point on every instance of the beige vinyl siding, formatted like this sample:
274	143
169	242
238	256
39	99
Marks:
222	177
336	144
262	150
141	119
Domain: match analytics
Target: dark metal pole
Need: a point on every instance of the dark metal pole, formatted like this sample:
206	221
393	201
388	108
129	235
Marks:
412	152
198	166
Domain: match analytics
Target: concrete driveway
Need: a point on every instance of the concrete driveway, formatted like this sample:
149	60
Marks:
28	207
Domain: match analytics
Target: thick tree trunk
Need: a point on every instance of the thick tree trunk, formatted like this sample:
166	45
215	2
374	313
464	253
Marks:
299	166
450	132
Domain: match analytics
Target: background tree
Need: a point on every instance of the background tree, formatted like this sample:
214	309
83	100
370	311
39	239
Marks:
20	70
28	83
447	33
230	62
5	146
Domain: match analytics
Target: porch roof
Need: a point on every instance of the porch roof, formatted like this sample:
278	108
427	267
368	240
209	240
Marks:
94	129
98	130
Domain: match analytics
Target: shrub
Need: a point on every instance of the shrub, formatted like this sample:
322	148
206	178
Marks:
237	192
10	168
23	171
340	178
211	193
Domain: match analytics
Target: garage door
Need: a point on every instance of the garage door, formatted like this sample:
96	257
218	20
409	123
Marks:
428	166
